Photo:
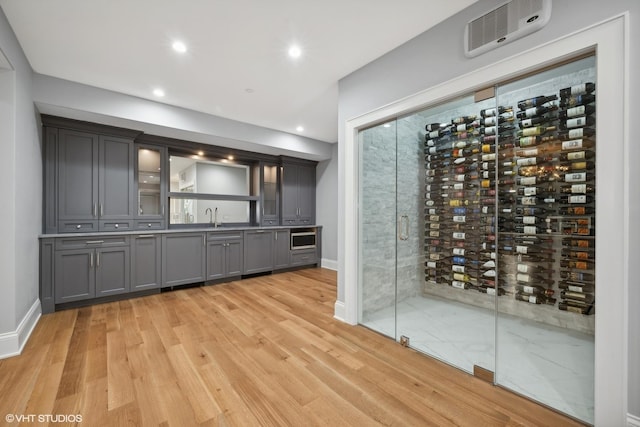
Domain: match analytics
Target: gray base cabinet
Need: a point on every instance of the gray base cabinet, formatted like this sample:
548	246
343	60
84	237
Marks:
281	249
183	258
87	268
146	262
224	255
258	251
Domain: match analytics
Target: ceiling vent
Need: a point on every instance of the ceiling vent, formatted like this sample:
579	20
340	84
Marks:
506	23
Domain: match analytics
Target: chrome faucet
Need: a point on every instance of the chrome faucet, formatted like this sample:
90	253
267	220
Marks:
210	213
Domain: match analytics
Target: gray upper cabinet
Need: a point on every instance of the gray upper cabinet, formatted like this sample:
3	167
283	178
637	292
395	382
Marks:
95	182
183	258
78	179
269	209
298	194
258	251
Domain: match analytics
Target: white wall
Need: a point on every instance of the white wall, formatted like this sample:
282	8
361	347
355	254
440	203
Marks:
21	217
327	207
437	56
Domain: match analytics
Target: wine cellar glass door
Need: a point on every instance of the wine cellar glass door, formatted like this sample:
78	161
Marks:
377	228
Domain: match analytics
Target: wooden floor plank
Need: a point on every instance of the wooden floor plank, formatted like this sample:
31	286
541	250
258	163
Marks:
264	351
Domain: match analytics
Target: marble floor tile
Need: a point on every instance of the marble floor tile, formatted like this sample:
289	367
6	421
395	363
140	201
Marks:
551	365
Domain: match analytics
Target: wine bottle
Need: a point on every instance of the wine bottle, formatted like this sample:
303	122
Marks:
581	110
534	180
493	130
577	210
581	255
577	122
579	243
564	306
576	133
535	200
577	264
535	131
535	290
489	112
430	127
577	155
577	276
532	161
536	101
577	189
577	286
535	191
493	120
536	111
573	101
528	219
532	250
490	290
577	90
530	211
463	120
533	121
577	166
576	199
577	176
530	229
535	299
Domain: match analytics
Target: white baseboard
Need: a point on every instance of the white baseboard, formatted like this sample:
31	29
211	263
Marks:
338	311
633	421
329	263
12	343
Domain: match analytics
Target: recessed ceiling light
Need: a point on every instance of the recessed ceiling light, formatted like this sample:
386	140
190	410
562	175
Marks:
158	92
387	125
179	47
200	153
230	157
295	51
300	129
249	90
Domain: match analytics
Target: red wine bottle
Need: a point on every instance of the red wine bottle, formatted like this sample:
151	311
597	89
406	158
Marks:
536	101
577	90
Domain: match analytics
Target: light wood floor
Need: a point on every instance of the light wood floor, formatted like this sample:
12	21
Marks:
264	351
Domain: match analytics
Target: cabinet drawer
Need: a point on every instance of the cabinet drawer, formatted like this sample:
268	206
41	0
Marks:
286	221
304	221
212	237
77	226
116	225
304	257
149	225
270	222
91	242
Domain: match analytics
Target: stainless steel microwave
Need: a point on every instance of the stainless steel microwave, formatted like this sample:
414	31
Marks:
303	240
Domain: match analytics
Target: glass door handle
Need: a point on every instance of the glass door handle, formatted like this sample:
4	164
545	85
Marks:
403	228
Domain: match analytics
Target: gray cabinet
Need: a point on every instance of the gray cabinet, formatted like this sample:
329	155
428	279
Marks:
298	194
146	262
91	268
304	257
258	251
224	255
183	258
281	249
94	182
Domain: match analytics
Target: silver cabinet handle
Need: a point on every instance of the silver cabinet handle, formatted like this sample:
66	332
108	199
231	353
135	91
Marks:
95	209
276	234
94	242
98	260
204	240
78	226
259	231
101	209
115	226
145	236
91	260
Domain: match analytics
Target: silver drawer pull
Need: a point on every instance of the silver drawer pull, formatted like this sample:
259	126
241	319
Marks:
145	236
116	226
94	242
149	225
78	227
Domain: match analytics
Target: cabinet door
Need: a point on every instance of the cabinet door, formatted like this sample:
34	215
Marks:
112	271
116	179
269	194
306	195
74	275
289	194
145	263
258	251
235	255
183	258
281	249
77	176
150	183
216	259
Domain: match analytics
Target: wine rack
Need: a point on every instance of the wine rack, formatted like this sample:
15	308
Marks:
509	196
